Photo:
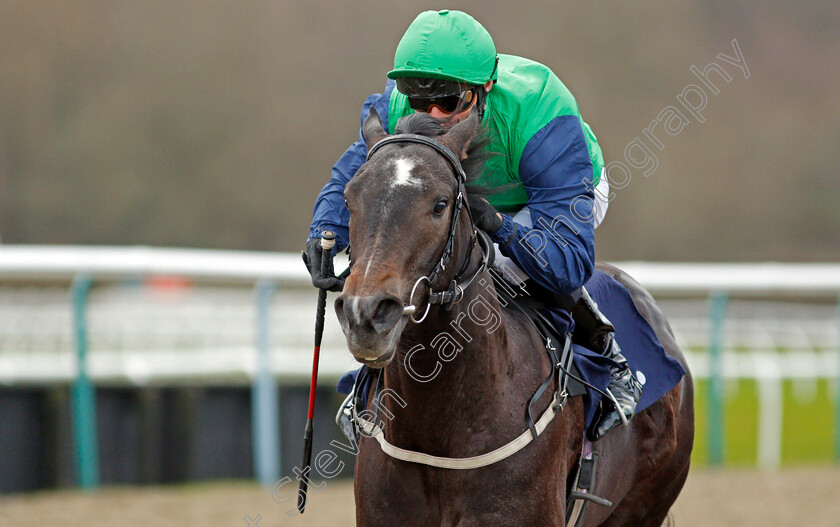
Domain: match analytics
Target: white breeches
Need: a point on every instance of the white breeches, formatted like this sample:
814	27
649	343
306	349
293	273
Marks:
510	270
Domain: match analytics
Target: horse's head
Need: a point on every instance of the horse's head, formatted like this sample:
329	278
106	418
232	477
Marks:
402	202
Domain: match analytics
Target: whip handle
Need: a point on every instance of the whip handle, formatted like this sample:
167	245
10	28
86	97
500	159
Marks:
327	244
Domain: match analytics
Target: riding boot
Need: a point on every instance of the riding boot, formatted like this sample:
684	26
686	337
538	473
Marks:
624	393
596	332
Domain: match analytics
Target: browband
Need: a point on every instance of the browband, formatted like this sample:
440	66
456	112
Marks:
422	139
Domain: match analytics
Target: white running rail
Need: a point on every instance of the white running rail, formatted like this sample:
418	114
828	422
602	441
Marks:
782	319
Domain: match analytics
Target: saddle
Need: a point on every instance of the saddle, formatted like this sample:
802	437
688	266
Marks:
547	311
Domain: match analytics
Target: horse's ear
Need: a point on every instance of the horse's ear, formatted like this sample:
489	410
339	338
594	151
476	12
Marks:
372	130
459	137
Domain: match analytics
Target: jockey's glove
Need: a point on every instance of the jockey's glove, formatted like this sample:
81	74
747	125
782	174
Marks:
312	257
484	215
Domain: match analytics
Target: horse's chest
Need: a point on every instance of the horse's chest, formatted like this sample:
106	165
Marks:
509	493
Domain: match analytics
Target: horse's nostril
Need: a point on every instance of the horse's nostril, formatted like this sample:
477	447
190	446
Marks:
339	310
386	313
379	313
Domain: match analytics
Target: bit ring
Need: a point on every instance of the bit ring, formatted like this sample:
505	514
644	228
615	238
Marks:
411	301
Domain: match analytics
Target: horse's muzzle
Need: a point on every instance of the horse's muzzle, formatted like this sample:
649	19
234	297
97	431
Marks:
371	325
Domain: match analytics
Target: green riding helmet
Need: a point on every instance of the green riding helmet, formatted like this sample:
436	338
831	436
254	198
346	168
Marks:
446	45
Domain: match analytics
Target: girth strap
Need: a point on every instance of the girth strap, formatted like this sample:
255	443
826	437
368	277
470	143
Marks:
584	486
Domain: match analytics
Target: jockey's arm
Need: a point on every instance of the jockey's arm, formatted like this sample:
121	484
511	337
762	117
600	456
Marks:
330	212
559	250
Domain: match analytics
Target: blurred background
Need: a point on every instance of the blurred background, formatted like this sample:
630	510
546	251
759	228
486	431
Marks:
214	124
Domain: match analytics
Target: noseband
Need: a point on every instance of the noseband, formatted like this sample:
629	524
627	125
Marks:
455	291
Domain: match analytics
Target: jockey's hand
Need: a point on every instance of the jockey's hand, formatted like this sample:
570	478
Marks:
484	215
312	257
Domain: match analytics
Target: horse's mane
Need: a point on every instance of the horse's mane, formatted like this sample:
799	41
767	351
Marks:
478	152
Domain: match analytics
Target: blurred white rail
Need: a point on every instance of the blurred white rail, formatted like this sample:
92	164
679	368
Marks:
207	330
43	261
65	262
736	278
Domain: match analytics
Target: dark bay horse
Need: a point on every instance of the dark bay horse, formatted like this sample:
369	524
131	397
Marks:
460	381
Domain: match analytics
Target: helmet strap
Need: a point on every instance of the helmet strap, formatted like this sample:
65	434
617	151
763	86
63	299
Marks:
480	102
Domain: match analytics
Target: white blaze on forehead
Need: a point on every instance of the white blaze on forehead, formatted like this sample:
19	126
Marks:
403	175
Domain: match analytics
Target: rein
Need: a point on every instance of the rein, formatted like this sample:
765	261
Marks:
455	291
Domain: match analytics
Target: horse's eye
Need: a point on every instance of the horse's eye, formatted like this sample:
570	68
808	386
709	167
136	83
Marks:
346	206
440	206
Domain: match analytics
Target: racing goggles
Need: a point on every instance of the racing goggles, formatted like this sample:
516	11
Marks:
447	103
423	93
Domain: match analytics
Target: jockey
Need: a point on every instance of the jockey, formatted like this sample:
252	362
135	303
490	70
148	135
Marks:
544	217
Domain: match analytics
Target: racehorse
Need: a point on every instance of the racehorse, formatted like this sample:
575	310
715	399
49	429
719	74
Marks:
466	395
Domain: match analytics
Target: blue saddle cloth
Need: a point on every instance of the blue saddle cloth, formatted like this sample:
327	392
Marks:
639	344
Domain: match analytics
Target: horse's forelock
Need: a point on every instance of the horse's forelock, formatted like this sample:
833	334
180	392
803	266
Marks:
420	124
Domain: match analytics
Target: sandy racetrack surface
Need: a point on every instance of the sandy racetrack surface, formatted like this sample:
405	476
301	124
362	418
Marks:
711	498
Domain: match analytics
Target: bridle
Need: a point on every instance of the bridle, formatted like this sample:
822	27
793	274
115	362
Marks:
447	298
455	291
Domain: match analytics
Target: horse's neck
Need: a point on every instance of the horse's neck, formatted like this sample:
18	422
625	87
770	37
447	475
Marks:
458	347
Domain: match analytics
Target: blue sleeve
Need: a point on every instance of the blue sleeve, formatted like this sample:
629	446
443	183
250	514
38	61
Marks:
559	250
330	212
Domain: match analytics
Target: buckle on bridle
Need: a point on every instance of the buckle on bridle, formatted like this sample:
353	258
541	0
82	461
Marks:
560	399
452	295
